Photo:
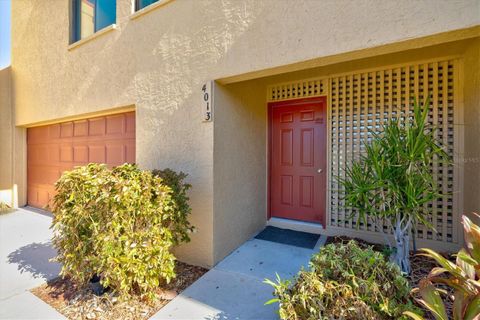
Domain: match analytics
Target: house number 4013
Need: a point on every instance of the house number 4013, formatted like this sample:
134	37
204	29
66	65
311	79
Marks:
207	101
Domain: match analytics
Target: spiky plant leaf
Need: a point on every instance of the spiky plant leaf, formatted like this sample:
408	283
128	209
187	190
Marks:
432	300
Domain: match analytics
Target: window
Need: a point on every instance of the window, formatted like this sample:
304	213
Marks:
89	16
140	4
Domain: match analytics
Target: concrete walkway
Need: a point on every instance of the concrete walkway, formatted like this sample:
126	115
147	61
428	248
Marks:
25	251
234	289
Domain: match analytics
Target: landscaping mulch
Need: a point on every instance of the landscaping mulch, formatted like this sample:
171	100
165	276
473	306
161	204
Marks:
81	303
421	267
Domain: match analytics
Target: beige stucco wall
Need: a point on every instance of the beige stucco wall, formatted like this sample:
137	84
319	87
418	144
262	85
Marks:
240	164
12	147
166	52
6	132
158	62
471	157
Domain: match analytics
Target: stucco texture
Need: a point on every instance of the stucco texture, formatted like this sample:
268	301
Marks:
12	147
471	156
240	164
6	132
158	62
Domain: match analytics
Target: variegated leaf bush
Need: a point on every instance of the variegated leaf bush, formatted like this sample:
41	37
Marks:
178	223
461	276
117	224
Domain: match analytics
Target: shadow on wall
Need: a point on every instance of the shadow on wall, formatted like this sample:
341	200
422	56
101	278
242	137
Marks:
35	259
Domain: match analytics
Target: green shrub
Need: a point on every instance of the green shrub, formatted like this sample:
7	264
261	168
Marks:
344	281
178	223
115	224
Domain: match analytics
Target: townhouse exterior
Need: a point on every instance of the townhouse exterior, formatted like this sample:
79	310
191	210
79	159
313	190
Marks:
261	102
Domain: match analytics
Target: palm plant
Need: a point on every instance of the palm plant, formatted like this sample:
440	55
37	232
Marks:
463	277
392	181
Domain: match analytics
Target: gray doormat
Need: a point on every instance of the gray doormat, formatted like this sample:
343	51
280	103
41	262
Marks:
290	237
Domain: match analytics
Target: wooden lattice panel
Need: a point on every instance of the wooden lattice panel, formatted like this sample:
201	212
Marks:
298	89
364	101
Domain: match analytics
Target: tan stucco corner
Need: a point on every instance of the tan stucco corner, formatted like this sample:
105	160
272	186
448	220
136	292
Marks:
12	147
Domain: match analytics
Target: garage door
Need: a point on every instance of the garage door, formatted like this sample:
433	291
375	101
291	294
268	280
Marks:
52	149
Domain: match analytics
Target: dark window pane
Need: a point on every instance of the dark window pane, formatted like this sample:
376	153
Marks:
143	3
105	13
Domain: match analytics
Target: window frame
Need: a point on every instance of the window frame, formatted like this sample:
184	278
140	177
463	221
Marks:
136	5
75	11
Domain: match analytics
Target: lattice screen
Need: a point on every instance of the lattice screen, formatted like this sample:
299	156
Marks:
298	89
363	101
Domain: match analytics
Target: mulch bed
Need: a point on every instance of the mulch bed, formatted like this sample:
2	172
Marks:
81	303
421	266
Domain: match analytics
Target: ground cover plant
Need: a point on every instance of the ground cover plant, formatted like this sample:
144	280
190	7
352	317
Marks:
392	182
119	225
345	281
461	276
420	266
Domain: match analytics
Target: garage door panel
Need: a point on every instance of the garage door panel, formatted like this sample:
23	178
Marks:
80	128
66	153
96	127
80	154
32	195
56	148
53	154
37	134
38	155
130	152
115	124
49	176
42	155
96	154
31	154
115	154
43	195
130	123
33	174
54	131
66	130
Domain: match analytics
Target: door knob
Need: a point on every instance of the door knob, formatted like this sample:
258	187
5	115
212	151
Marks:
319	170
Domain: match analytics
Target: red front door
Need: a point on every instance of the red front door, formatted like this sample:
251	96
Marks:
298	159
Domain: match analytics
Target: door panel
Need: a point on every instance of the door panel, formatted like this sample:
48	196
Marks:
298	160
55	148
